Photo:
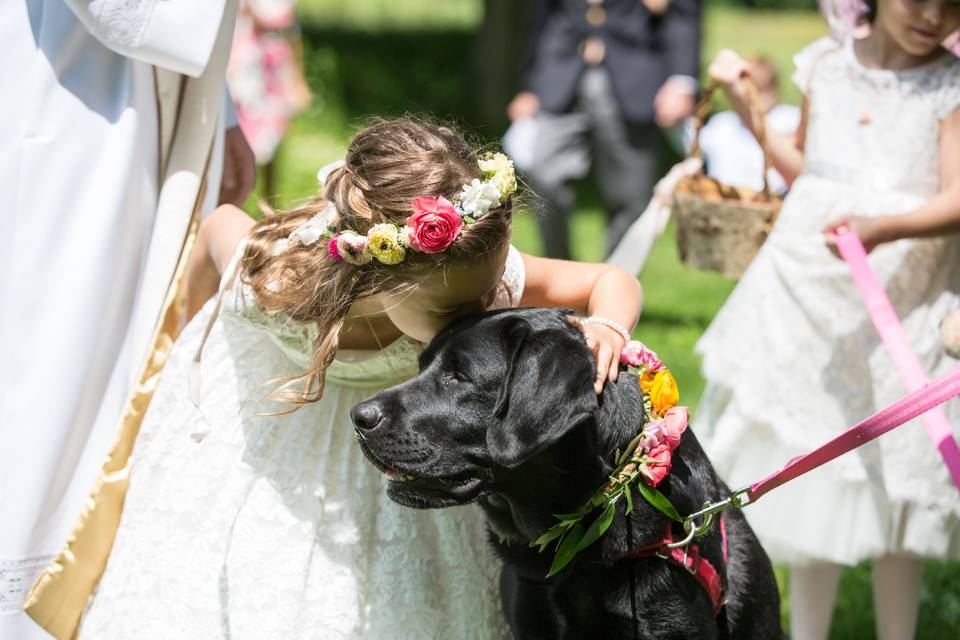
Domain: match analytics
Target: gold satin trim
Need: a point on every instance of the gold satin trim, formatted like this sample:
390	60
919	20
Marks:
59	595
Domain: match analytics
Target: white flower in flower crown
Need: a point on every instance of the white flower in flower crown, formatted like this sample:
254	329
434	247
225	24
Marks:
477	198
352	248
498	169
404	236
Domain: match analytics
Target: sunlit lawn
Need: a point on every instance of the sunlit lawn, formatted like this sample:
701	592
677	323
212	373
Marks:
680	303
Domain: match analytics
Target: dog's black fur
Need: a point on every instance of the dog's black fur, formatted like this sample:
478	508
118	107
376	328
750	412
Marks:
504	413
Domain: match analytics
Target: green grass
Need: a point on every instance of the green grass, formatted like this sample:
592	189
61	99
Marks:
384	57
386	15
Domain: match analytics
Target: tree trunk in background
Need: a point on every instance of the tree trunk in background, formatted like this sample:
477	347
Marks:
500	51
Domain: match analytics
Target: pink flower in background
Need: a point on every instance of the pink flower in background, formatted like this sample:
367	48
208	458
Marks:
636	354
434	225
848	17
844	17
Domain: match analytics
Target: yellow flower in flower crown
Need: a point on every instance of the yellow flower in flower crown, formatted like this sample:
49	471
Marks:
664	394
498	168
383	242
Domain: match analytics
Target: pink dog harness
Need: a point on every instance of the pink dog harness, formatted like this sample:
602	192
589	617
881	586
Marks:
690	559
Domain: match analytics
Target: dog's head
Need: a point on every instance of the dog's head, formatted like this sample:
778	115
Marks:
494	392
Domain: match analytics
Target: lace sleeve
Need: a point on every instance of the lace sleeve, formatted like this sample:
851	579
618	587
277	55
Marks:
295	339
806	61
510	290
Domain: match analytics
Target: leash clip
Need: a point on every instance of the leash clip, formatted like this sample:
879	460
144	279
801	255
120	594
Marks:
736	500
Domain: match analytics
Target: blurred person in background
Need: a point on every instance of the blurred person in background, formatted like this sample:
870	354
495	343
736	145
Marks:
266	78
730	150
602	78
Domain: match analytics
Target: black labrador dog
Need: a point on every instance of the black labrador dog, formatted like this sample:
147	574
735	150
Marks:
504	413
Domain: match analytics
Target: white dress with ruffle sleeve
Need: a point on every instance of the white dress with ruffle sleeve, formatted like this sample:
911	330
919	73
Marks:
792	358
240	525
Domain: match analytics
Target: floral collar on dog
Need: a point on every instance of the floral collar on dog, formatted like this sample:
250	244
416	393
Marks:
643	464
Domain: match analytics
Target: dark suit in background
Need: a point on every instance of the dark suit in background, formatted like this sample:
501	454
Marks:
596	67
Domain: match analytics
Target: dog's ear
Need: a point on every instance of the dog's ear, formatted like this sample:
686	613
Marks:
546	391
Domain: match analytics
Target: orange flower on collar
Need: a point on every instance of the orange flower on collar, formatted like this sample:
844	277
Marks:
646	381
664	394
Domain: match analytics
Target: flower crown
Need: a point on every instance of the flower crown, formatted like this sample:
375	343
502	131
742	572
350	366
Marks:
643	464
436	222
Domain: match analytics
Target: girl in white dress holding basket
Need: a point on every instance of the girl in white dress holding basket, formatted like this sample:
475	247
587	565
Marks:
251	511
792	358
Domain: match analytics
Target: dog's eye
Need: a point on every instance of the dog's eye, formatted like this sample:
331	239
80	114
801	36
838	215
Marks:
456	376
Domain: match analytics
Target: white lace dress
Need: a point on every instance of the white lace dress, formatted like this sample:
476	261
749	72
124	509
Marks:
278	527
792	357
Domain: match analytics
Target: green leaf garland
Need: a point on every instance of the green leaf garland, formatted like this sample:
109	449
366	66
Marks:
569	533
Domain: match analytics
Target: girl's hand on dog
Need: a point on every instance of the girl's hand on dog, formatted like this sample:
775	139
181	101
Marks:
605	344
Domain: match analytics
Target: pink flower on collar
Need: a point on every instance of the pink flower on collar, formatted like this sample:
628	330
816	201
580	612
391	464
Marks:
636	354
674	424
657	466
434	225
655	435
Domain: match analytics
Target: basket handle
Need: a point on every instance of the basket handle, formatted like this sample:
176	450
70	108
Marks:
702	110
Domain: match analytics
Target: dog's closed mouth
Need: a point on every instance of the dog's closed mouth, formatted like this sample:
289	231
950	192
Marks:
424	493
395	475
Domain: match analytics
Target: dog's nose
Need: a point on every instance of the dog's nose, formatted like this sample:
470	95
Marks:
366	415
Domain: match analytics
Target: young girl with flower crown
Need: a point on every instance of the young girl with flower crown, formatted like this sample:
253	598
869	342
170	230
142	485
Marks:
793	358
251	512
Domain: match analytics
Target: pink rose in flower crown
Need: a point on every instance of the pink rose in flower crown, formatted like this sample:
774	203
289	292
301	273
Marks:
434	225
674	424
658	466
636	354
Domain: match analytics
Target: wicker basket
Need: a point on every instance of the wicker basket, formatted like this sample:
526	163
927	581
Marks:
720	227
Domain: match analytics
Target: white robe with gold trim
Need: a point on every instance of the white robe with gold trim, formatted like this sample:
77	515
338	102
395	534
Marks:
85	258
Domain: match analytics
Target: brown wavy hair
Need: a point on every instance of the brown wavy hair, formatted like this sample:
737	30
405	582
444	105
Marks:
387	165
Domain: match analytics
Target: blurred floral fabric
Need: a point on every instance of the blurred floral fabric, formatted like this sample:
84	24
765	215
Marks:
265	73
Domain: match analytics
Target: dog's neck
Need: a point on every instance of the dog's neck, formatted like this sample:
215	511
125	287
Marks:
524	510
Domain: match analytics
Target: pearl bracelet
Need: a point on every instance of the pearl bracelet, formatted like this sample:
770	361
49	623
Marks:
607	323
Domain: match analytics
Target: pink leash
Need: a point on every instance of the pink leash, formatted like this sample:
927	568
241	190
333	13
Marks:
924	400
914	404
891	332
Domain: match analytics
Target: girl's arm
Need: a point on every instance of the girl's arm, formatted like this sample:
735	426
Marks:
786	150
216	242
591	289
940	215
